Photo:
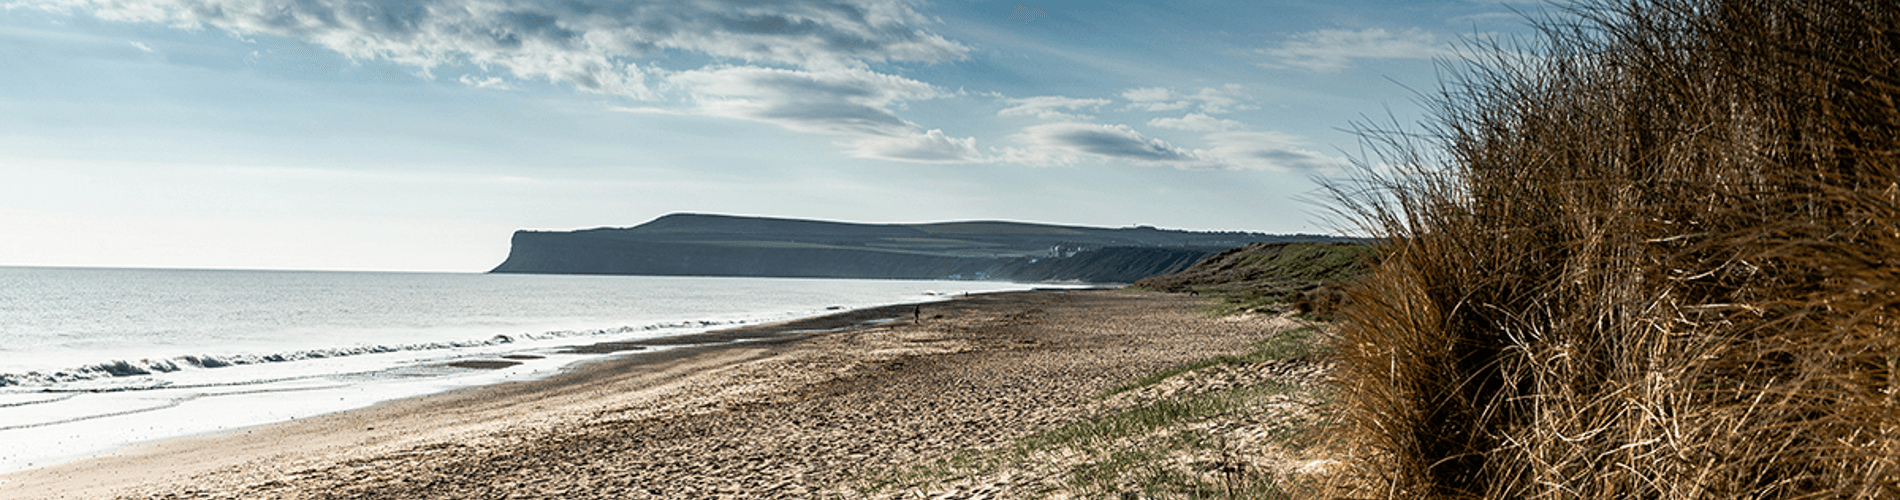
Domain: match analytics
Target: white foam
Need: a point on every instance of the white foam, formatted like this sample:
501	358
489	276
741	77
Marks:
64	401
79	417
81	425
119	374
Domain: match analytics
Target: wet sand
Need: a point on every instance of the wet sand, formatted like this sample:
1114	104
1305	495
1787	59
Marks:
772	411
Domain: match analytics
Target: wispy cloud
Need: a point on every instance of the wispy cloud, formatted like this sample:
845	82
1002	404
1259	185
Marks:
1266	151
1068	143
798	64
1334	50
1071	143
932	146
593	44
838	101
1155	99
1222	99
850	102
811	66
494	83
1051	107
1195	121
143	47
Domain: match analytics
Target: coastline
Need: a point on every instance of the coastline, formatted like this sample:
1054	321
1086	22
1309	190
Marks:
1002	362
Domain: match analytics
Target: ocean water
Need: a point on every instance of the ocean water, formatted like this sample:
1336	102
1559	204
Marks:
95	359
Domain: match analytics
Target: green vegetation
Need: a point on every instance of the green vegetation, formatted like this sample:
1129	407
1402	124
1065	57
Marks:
1138	447
1651	255
1148	417
1134	446
1285	345
1159	447
1270	277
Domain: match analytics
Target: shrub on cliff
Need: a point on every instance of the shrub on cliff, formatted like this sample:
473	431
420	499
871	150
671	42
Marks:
1655	254
1263	276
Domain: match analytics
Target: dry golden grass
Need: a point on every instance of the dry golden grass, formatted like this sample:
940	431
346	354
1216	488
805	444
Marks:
1655	254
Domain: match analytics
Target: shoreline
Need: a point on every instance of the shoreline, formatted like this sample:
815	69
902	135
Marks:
95	418
752	366
679	349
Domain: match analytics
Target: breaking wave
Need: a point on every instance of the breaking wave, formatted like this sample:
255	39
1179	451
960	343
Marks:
143	367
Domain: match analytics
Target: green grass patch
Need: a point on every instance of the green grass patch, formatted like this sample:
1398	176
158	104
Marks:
1288	344
1300	341
1145	418
1254	300
1133	445
1140	446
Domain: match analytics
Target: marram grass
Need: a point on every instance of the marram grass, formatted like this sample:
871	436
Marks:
1654	254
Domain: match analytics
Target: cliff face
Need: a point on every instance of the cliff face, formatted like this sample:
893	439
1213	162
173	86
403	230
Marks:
569	253
1107	265
714	245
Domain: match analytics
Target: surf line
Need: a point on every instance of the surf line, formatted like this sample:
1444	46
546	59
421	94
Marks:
170	404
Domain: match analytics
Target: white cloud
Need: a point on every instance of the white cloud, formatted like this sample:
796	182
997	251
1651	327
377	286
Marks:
587	43
803	65
1154	99
1049	107
798	64
1148	94
492	82
1195	121
1068	143
1265	151
143	47
1222	99
838	101
1161	105
1334	50
928	147
855	103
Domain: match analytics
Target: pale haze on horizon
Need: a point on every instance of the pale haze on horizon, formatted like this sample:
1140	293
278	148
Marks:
418	135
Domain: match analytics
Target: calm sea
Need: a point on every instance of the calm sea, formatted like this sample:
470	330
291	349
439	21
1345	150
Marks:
95	359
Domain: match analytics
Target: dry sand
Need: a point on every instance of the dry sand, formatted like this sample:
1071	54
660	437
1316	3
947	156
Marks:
781	411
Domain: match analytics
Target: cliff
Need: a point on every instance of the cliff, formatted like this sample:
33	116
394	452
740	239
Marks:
720	245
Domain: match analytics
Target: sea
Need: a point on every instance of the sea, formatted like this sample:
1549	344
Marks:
93	360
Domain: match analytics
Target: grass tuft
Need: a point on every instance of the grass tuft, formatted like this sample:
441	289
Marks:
1284	345
1654	253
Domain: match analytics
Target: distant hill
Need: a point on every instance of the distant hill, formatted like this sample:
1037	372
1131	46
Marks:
724	245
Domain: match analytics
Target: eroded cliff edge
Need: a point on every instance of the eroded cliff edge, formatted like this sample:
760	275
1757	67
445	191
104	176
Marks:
723	245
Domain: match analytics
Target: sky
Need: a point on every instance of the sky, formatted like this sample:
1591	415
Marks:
418	135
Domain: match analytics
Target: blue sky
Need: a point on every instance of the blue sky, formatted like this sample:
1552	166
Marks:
419	134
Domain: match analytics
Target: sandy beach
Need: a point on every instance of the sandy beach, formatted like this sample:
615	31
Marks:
773	411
